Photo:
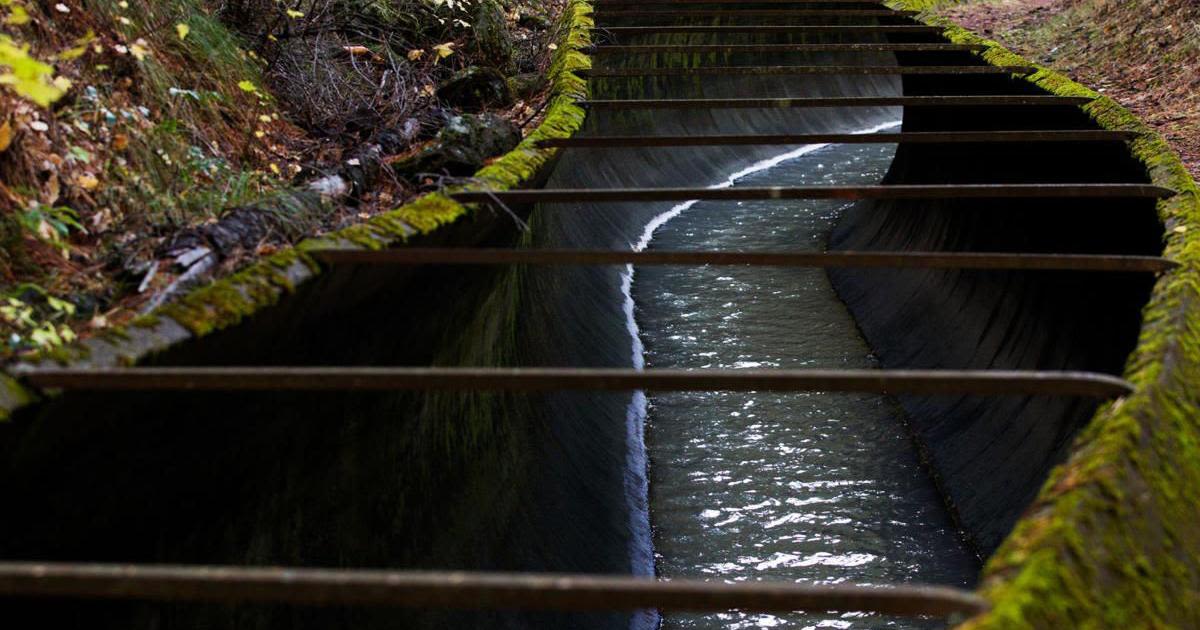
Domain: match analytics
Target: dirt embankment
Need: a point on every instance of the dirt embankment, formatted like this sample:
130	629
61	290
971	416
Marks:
1145	55
149	145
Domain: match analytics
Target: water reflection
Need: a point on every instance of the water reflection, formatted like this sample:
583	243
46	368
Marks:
810	487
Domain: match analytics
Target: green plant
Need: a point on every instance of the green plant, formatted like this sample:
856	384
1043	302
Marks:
32	325
28	77
51	225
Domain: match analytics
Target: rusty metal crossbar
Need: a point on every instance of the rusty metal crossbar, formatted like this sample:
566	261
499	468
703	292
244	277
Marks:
789	70
267	378
840	101
466	591
685	3
773	28
604	12
780	48
912	137
905	191
835	259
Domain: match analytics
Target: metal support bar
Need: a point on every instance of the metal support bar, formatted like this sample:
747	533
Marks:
237	378
841	101
912	137
775	28
466	591
905	191
778	48
836	259
684	3
601	12
595	73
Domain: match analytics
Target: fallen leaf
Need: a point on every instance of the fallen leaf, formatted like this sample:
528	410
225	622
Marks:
415	54
139	50
5	136
87	181
357	51
182	30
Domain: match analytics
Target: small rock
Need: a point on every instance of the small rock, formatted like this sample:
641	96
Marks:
330	186
462	146
475	88
526	86
534	22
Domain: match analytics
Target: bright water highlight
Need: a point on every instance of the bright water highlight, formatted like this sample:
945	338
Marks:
809	487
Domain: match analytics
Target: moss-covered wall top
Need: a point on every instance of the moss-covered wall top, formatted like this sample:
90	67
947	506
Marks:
1112	540
228	301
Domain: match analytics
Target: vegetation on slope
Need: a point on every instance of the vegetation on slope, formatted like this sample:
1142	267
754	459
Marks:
1145	55
145	142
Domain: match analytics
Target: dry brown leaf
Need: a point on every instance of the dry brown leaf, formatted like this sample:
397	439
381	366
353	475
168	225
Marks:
5	136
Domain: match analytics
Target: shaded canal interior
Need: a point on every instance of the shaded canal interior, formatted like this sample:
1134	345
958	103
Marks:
552	483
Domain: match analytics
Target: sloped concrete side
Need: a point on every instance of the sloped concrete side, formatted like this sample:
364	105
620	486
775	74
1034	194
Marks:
1112	541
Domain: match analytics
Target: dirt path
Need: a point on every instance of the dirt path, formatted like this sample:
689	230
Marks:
1144	55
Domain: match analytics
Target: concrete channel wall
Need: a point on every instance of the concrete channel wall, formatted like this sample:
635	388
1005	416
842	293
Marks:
1108	541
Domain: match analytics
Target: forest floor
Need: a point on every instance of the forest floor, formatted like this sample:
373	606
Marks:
147	146
1145	55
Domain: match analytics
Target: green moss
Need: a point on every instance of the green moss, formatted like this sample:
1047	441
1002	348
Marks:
13	396
147	321
1111	541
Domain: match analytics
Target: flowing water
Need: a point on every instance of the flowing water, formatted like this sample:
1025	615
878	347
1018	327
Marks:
807	487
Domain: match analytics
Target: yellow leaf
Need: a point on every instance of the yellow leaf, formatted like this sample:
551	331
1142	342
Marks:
444	50
87	181
182	30
138	51
247	86
17	16
275	168
30	78
292	13
415	54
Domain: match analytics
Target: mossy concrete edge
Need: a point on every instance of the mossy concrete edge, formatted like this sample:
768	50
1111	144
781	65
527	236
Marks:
1112	539
228	301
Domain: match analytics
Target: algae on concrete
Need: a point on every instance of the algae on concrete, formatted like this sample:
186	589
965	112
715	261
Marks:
1112	541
